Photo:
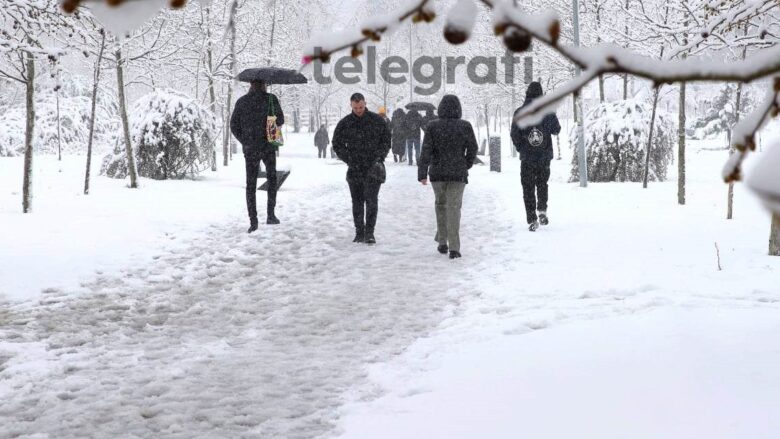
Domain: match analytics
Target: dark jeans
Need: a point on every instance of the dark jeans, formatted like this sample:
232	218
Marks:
321	151
534	178
413	149
365	202
252	160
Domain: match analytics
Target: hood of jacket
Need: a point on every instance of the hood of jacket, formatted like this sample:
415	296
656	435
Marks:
534	91
449	107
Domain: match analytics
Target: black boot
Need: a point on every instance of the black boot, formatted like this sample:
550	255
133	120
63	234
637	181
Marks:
271	219
442	249
252	225
370	237
544	219
533	226
360	235
454	254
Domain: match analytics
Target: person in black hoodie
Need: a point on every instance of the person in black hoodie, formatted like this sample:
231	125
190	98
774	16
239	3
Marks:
321	141
534	143
448	153
399	135
362	141
413	123
248	125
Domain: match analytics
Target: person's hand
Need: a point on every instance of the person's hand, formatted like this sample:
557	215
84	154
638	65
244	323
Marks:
424	181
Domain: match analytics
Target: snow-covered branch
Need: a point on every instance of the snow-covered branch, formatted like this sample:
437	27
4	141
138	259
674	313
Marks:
321	47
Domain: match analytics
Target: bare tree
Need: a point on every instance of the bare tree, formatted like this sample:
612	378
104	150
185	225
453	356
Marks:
95	84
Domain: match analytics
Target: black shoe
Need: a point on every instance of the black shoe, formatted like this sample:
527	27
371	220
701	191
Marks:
533	226
543	220
359	236
252	226
370	238
454	254
272	219
442	249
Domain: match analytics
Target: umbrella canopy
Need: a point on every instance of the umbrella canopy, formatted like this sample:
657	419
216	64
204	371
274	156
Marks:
420	106
272	75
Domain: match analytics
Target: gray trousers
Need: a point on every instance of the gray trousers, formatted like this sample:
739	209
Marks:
449	198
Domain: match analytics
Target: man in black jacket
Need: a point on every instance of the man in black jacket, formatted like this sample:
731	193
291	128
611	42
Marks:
448	153
248	125
534	143
413	123
362	141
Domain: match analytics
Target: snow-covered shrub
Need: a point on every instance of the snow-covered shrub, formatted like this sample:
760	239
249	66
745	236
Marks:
721	116
171	134
74	113
616	137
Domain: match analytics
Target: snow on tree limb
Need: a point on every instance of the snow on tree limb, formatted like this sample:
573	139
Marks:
321	47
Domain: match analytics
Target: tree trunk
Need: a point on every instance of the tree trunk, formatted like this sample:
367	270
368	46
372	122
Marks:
212	93
730	207
273	31
650	137
59	129
774	236
28	135
92	111
120	85
625	75
226	120
487	122
228	110
598	42
681	148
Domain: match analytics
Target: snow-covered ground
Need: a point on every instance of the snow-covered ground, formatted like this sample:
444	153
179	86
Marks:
151	312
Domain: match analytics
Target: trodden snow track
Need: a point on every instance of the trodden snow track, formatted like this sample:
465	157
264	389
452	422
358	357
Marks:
234	334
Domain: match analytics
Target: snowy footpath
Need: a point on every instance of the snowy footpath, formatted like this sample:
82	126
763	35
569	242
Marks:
612	321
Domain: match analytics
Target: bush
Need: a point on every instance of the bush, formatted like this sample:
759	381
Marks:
616	139
172	136
721	116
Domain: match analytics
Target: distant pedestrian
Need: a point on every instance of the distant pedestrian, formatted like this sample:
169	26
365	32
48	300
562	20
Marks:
321	141
412	125
362	141
382	112
248	124
399	135
448	152
428	118
534	143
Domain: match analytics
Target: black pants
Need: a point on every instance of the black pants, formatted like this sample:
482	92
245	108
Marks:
534	178
365	202
321	151
252	167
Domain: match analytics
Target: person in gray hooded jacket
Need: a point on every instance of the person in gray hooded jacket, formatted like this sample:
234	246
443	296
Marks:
448	152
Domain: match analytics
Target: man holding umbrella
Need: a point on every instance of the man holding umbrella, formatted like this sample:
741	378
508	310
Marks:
249	124
362	141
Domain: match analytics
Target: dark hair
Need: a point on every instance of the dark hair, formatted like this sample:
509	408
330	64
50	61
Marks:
357	97
258	86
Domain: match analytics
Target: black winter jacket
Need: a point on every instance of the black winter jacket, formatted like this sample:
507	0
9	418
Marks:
534	143
413	123
248	122
321	138
361	141
450	146
399	132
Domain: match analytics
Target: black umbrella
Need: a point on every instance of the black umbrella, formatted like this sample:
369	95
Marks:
272	75
420	106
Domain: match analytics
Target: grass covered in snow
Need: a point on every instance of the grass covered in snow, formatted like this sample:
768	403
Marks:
612	319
